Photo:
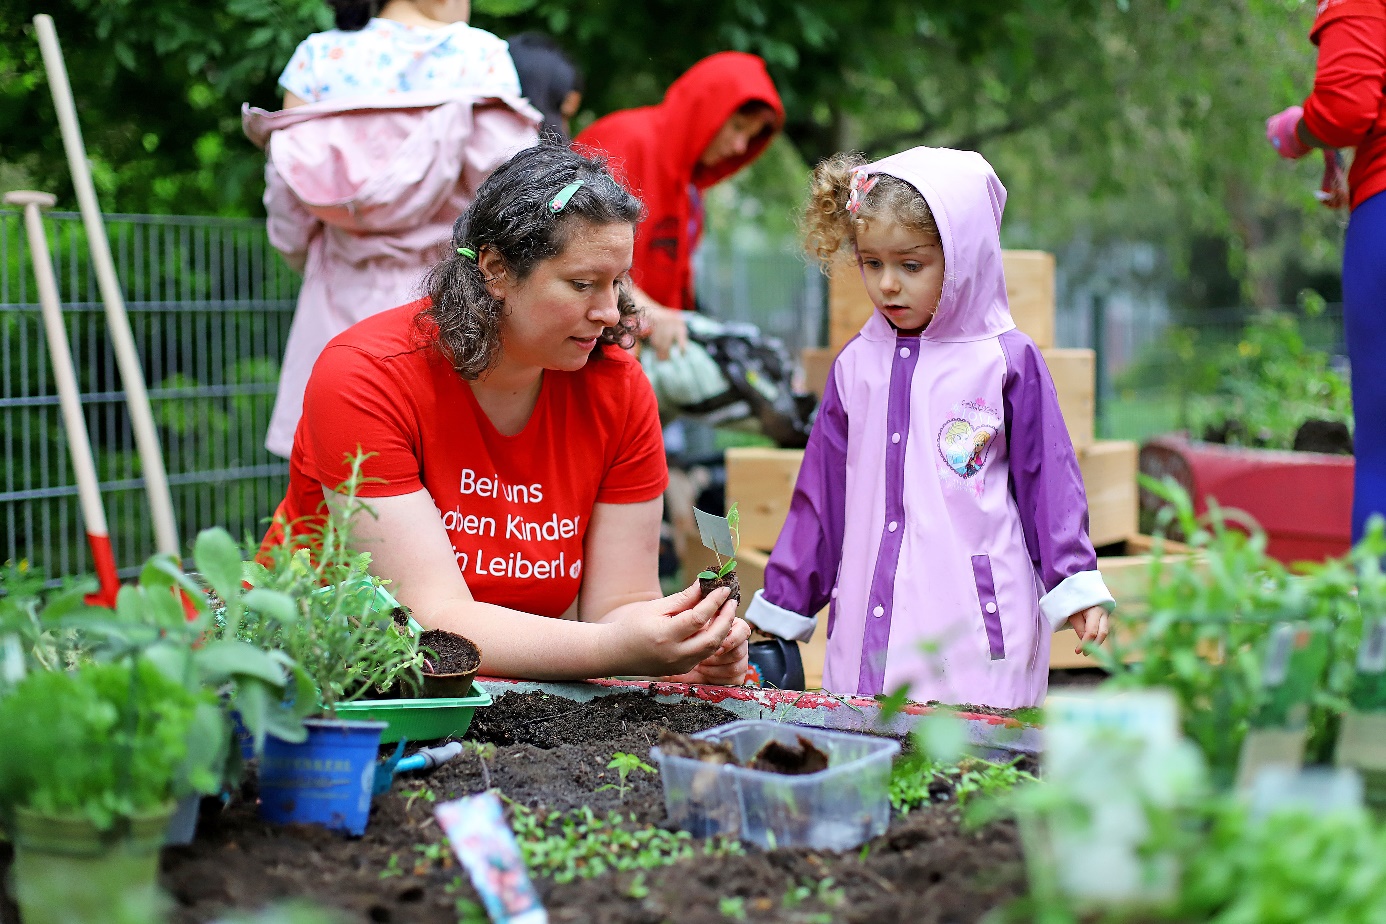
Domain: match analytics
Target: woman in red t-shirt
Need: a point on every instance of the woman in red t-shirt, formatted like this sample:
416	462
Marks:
1348	110
518	471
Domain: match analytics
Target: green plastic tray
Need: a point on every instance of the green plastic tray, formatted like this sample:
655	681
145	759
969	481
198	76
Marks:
419	719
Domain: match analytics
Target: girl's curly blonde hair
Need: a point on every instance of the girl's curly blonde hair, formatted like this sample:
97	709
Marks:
828	226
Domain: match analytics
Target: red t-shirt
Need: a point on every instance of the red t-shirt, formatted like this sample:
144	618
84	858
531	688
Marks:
515	507
1346	108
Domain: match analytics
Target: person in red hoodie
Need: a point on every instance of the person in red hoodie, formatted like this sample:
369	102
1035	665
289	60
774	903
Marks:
1347	109
715	119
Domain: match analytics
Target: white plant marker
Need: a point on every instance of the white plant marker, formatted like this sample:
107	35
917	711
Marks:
715	532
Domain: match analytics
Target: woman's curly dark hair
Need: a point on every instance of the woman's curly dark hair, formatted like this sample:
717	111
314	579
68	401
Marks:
512	216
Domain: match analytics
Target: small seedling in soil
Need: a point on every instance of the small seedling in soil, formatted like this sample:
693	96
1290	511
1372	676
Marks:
577	844
732	907
624	764
725	573
484	751
637	888
392	868
438	853
423	792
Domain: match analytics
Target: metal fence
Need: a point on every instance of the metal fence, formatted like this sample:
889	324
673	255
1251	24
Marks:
209	303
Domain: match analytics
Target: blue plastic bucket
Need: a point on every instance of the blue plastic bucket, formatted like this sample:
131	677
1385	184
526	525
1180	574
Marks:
241	736
325	780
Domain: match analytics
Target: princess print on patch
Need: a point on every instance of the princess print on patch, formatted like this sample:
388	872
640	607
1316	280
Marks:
964	442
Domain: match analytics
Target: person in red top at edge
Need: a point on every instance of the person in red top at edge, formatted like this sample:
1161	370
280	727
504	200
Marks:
517	444
1347	109
714	120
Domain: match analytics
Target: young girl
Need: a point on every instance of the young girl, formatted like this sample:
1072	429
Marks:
939	511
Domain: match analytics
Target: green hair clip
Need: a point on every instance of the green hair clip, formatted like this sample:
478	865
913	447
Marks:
468	253
563	196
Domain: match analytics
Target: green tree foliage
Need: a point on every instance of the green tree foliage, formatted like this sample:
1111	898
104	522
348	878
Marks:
1133	119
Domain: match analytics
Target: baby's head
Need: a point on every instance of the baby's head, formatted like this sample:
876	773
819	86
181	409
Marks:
891	230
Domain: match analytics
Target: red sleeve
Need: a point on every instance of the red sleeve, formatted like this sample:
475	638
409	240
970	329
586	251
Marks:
1348	84
638	470
352	401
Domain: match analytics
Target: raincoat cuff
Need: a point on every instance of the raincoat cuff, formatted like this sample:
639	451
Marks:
776	620
1075	593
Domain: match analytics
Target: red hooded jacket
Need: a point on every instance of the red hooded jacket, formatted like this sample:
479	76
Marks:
655	149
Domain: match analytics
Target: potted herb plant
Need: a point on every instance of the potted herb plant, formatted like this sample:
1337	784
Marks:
93	758
345	648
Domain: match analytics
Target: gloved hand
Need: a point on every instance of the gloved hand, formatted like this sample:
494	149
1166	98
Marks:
1333	191
1280	132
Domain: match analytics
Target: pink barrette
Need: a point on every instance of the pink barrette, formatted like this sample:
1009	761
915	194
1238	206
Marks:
862	184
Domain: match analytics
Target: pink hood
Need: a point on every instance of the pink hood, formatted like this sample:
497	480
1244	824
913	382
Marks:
967	200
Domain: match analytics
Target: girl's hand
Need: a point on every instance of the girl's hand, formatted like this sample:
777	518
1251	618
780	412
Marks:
727	665
675	634
1091	626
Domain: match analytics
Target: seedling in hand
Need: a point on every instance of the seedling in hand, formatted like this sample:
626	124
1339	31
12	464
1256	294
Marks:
723	536
624	764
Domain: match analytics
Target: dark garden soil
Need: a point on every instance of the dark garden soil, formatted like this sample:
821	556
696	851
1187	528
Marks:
552	753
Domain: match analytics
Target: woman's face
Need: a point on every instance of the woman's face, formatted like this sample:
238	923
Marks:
554	316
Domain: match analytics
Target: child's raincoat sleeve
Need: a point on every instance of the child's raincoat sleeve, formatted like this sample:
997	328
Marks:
802	572
290	225
1048	486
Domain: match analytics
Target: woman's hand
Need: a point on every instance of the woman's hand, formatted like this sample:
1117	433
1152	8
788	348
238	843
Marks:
1091	626
676	634
727	665
665	329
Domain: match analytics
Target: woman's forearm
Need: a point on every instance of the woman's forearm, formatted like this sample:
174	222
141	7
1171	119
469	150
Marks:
517	644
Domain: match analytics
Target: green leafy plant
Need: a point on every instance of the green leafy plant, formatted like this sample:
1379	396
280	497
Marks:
732	906
914	775
1269	383
167	617
580	845
30	635
624	764
1210	614
345	645
105	741
726	567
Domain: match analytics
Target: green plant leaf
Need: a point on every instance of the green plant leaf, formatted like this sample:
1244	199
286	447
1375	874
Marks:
707	575
223	659
218	559
727	568
272	603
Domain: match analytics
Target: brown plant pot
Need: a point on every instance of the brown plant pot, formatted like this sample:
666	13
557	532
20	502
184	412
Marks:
458	661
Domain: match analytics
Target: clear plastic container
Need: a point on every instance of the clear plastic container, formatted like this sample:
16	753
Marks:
834	809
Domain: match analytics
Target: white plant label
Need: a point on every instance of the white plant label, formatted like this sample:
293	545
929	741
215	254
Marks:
715	532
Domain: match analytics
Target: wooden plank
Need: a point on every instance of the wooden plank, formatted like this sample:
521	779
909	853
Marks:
750	572
761	482
816	362
1030	292
1074	373
1109	475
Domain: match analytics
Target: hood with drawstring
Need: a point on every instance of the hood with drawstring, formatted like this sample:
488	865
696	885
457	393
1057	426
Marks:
655	150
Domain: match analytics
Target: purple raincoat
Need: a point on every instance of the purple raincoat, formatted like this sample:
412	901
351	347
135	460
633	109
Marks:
939	511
